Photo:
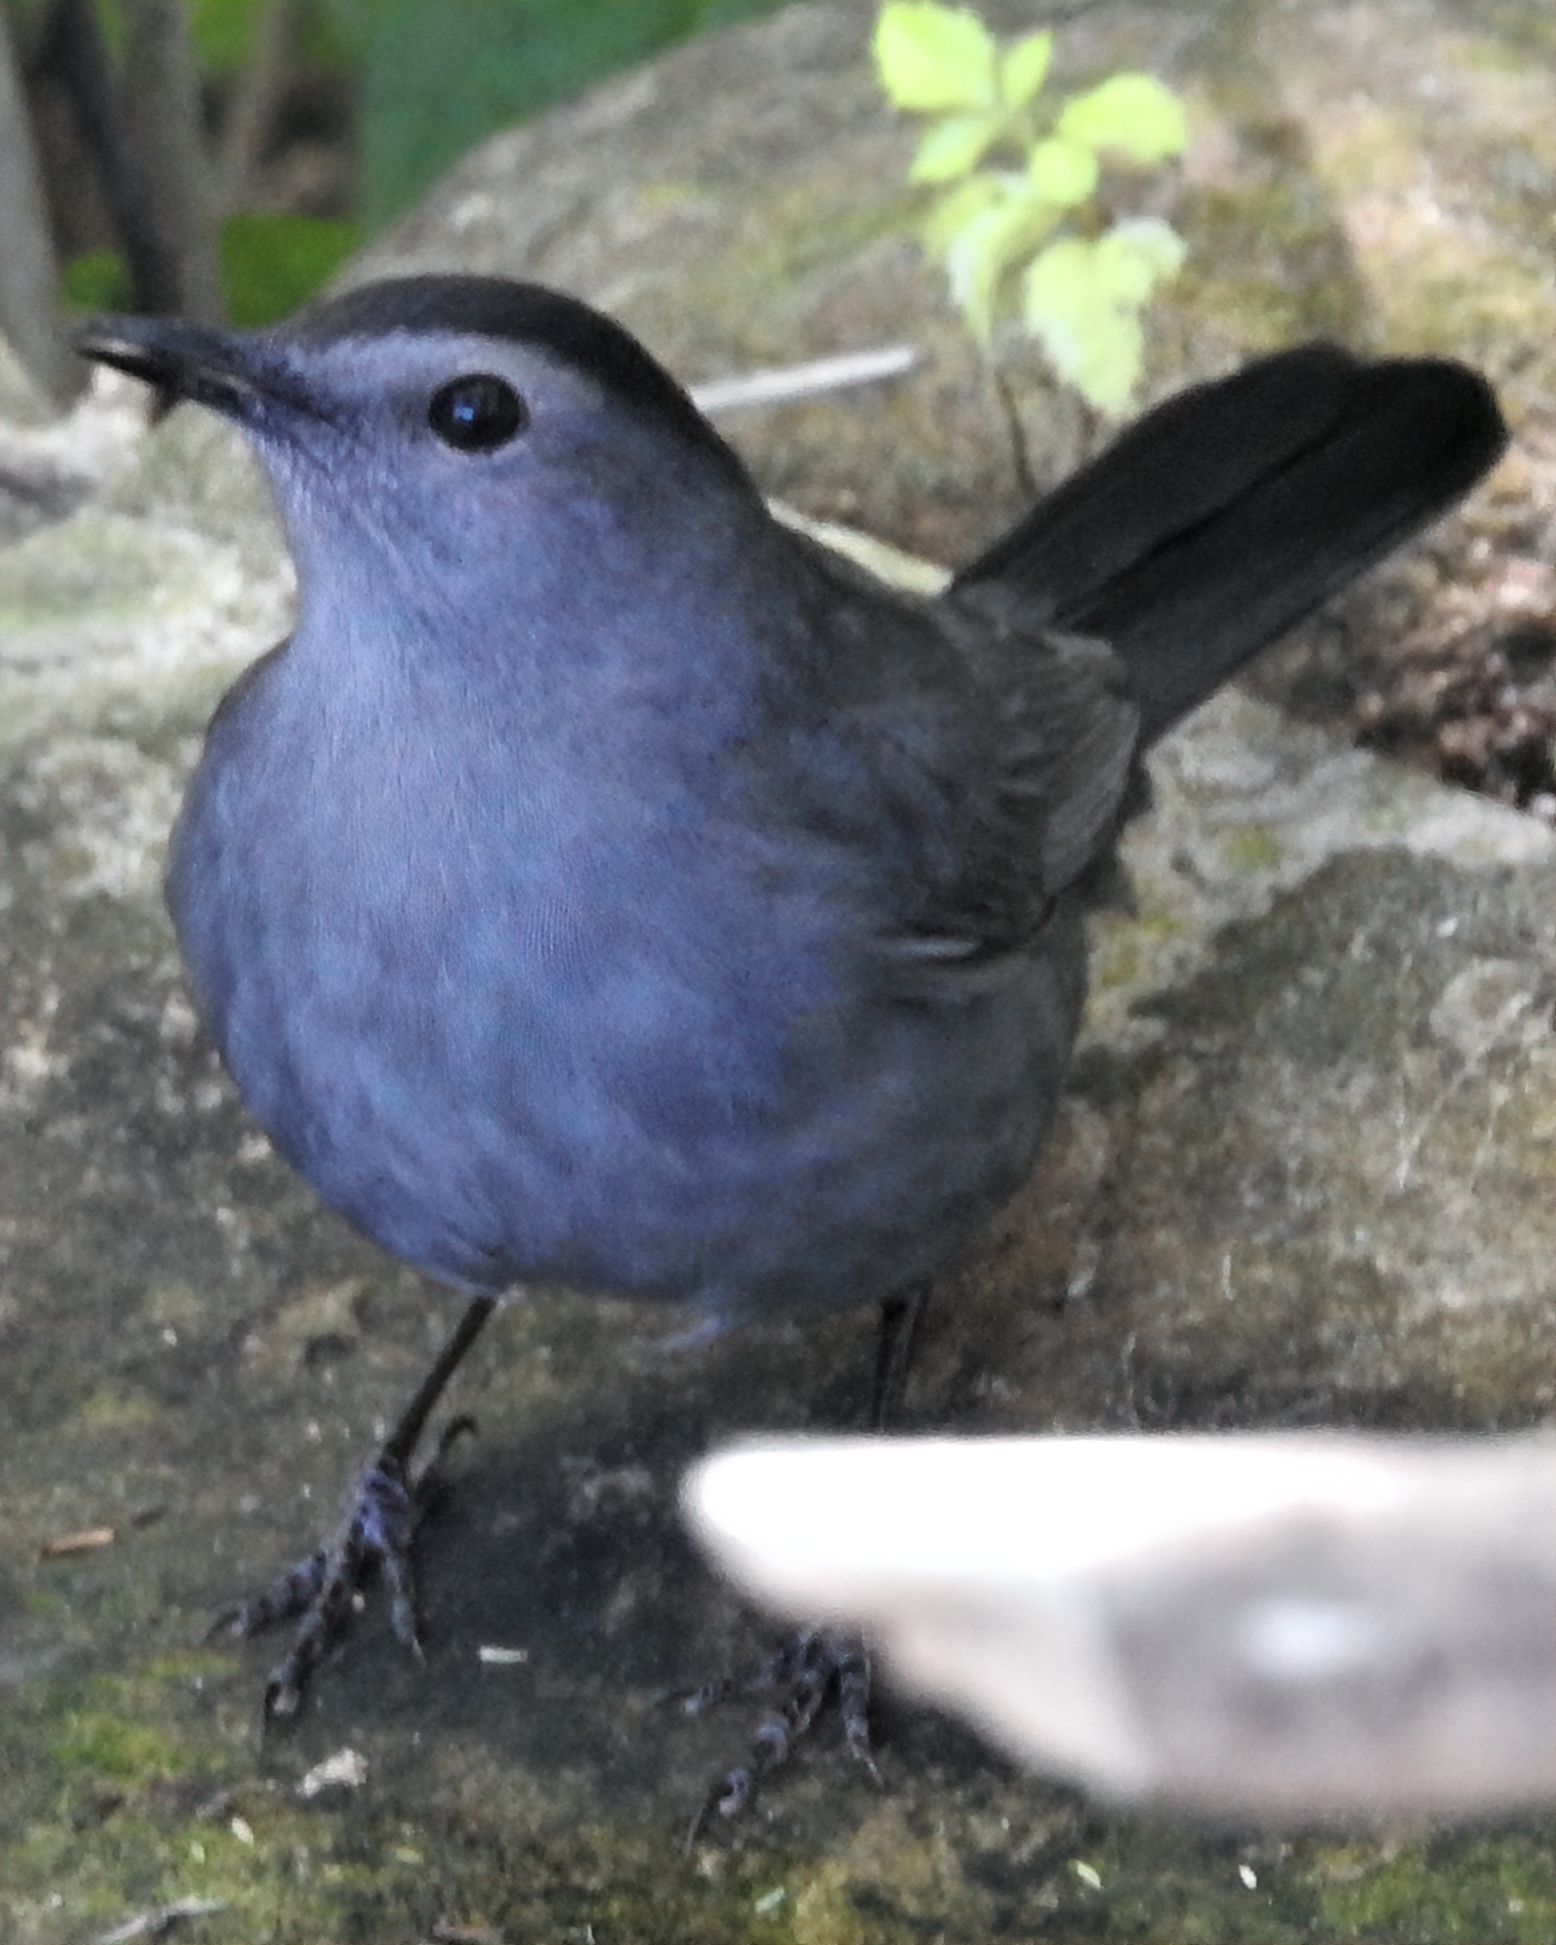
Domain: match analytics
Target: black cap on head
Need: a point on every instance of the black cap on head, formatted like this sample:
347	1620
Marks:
498	307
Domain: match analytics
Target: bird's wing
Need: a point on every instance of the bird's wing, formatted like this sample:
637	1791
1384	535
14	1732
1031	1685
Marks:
991	763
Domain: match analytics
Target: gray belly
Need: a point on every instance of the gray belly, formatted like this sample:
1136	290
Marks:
654	1076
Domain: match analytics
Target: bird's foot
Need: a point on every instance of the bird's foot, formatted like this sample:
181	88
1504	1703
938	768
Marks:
814	1668
325	1591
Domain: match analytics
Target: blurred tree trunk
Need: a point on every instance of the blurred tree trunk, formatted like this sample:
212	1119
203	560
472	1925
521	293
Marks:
252	112
71	50
173	173
29	275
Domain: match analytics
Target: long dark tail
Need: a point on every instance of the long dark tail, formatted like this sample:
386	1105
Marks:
1230	512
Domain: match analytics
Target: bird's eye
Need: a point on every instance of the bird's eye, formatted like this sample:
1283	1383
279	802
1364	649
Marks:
477	413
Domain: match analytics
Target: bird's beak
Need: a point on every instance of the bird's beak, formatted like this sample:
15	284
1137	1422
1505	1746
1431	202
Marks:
241	374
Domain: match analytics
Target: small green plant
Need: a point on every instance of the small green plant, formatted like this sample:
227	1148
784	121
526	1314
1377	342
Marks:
1084	288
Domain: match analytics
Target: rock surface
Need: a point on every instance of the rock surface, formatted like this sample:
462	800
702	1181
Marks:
1304	1175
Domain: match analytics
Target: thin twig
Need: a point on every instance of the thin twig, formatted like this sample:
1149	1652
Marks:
784	384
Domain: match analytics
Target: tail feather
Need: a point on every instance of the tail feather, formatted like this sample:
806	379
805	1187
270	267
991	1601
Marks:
1230	512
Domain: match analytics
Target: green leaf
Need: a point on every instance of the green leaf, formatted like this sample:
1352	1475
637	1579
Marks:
438	76
273	261
932	58
1024	69
1132	113
960	205
98	281
1062	172
975	262
1137	255
987	244
954	146
1093	344
1083	301
224	33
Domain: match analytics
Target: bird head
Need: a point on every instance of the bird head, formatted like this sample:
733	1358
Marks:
455	441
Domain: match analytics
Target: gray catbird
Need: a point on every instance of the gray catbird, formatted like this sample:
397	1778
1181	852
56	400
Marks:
606	885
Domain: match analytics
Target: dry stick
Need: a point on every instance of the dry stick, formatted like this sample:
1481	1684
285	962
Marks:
785	384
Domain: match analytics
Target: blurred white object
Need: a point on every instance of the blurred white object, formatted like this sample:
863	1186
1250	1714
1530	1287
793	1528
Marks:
1259	1625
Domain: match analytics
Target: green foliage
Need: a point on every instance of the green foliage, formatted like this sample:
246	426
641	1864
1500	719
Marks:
272	261
224	33
97	281
433	77
1083	300
438	76
1082	292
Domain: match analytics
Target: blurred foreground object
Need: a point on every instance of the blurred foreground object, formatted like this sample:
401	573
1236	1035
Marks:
1259	1625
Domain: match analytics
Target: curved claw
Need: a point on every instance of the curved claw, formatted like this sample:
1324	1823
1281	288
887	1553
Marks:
324	1591
817	1667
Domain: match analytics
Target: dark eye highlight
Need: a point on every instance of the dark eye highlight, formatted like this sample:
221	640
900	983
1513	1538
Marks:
477	413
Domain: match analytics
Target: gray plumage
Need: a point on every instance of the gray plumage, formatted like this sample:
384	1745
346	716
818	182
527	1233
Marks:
605	885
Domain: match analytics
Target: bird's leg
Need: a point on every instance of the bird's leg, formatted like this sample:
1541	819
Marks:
322	1592
811	1669
894	1345
817	1665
